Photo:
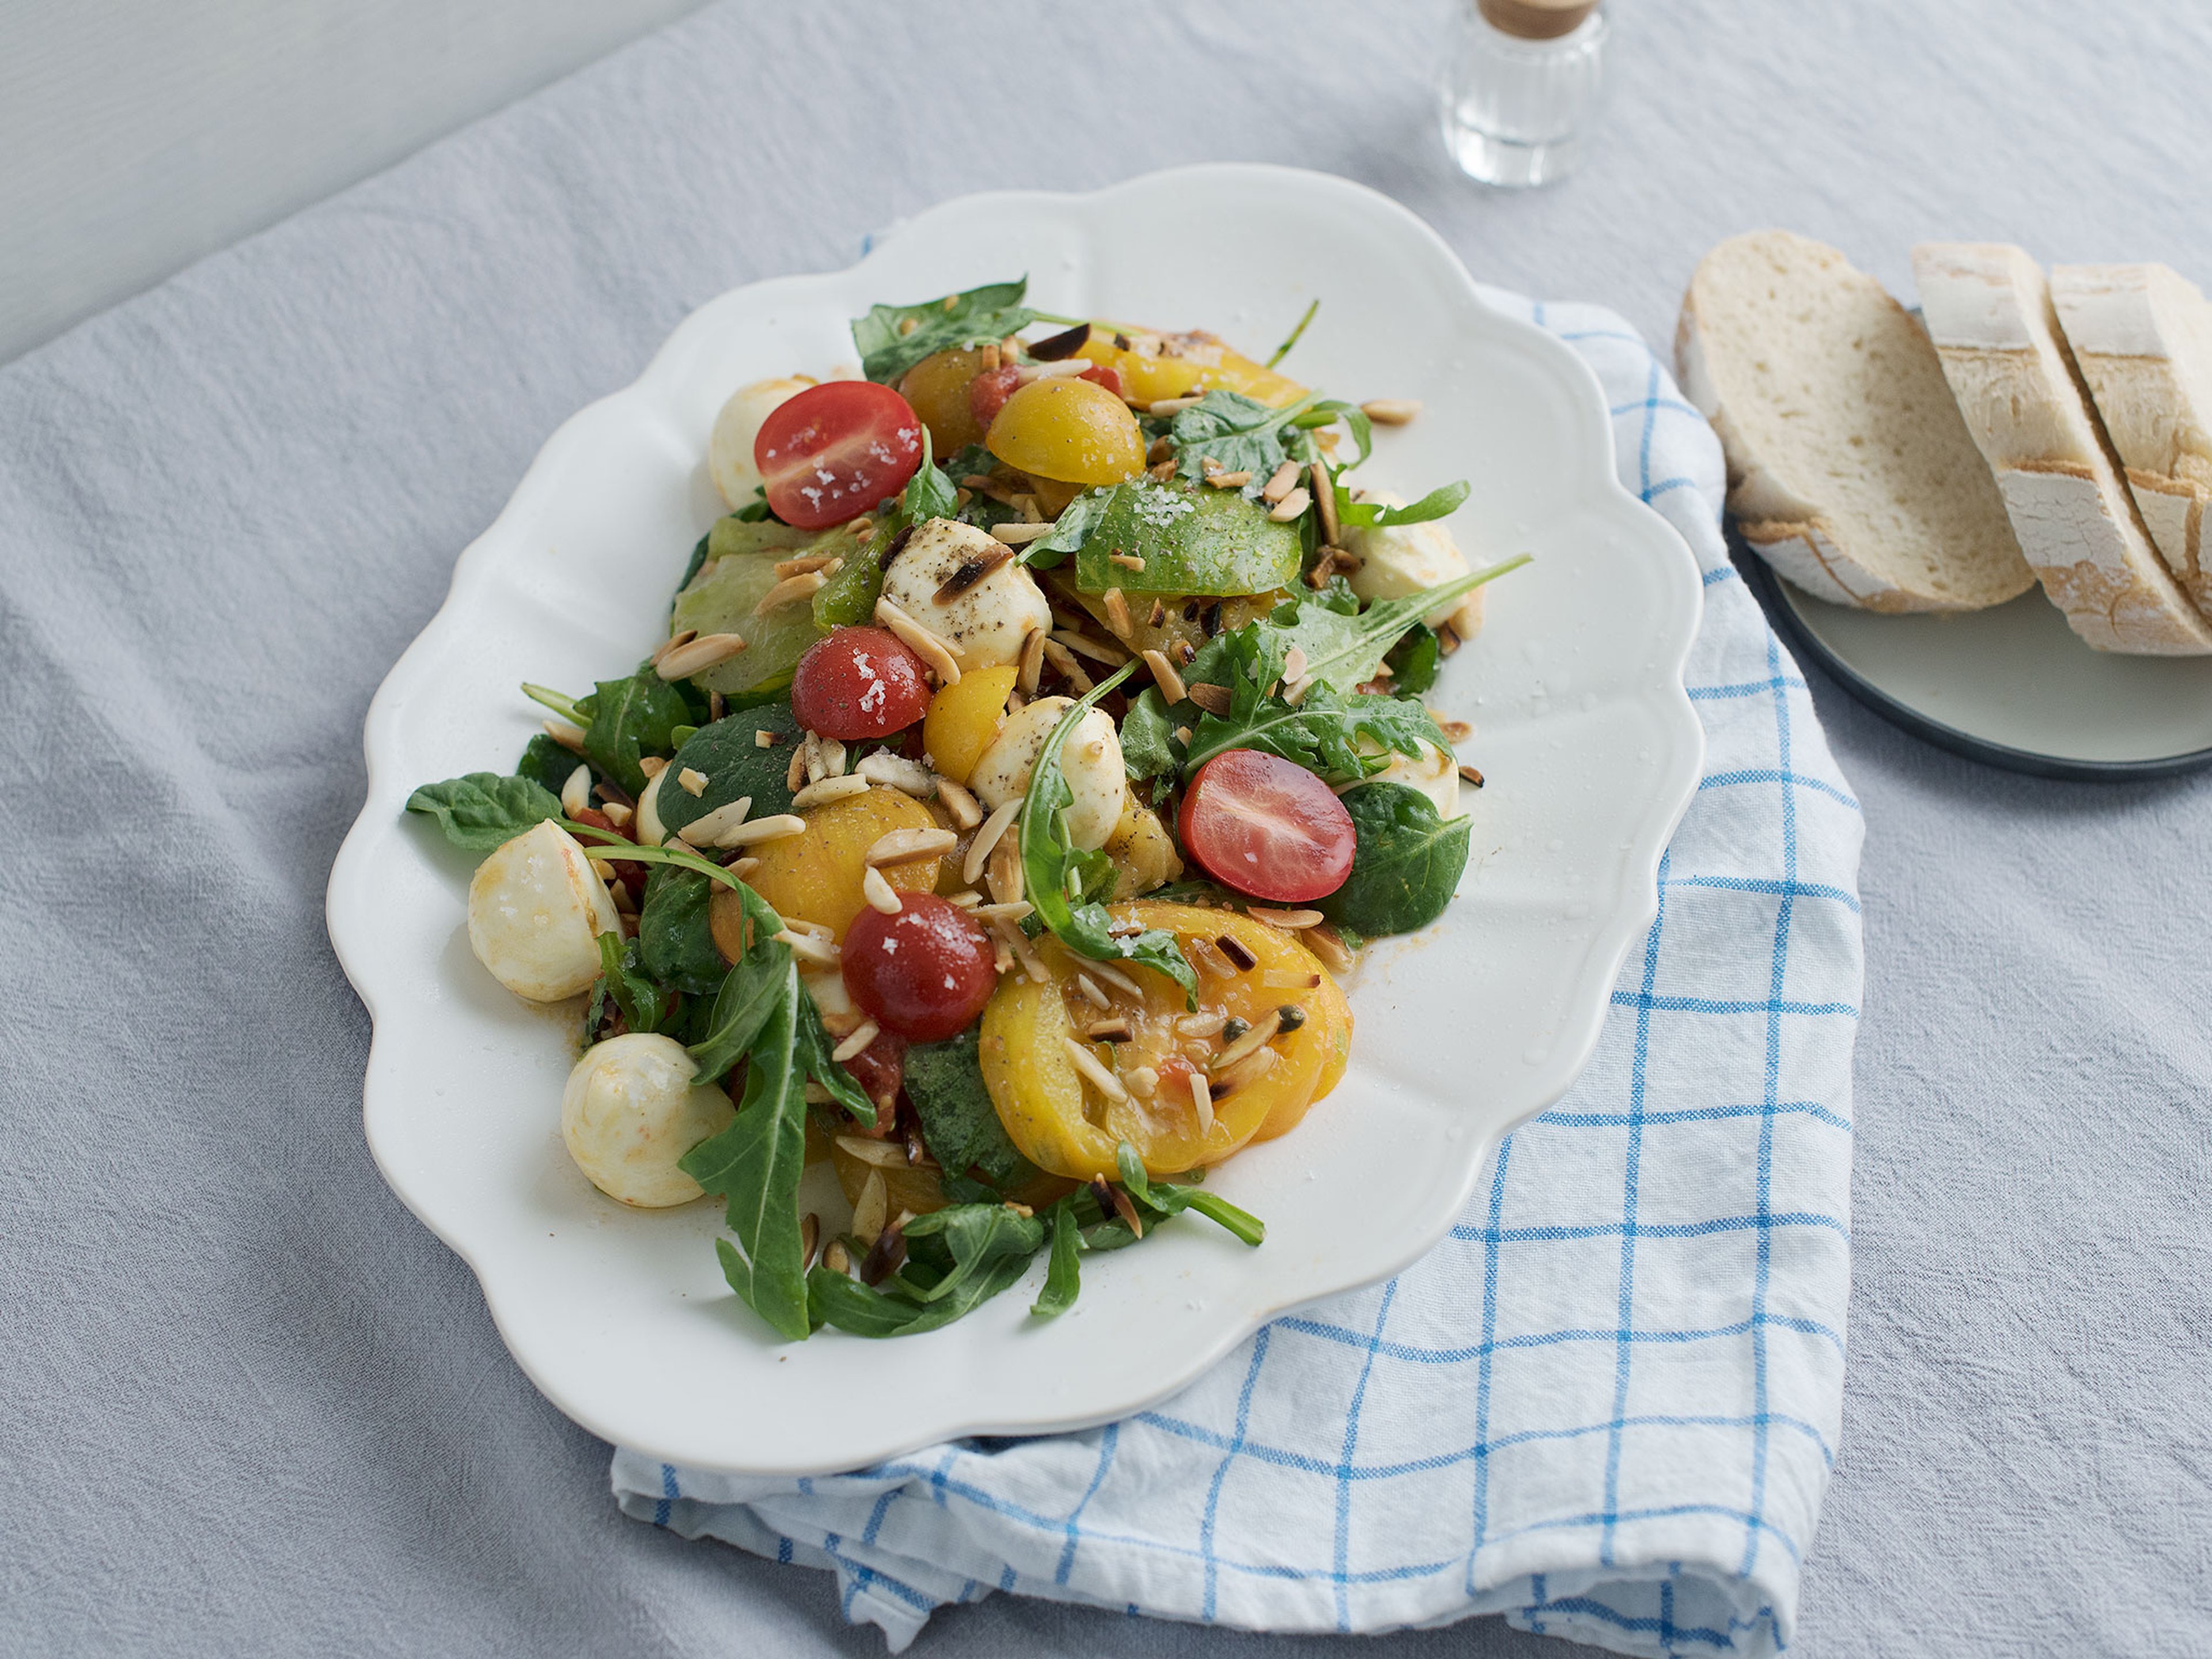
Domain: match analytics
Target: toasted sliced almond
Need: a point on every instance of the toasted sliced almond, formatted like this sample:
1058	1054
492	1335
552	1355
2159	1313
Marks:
1201	1025
1391	411
695	656
1091	994
1328	945
1473	777
872	1210
834	1257
1292	506
1208	956
1171	405
1013	912
1005	877
1117	614
979	850
1116	979
765	739
829	789
1054	371
1228	480
603	870
1202	1102
1164	471
1280	482
709	828
790	590
801	566
741	868
961	807
879	893
924	644
1079	1055
1064	660
902	845
810	1235
1019	948
1324	494
618	814
692	782
1020	535
570	737
1238	952
684	637
1292	918
860	1037
774	827
1214	699
794	775
1164	676
1096	649
653	766
1032	662
822	952
576	793
897	772
1126	561
1243	1070
1286	979
1113	1029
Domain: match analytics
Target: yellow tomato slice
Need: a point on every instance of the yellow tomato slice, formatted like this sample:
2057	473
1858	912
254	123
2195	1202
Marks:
963	718
1335	1020
1063	1121
1153	366
816	875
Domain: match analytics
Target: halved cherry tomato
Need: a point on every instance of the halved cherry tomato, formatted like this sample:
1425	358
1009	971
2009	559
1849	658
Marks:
1267	827
836	450
859	683
1099	374
988	393
924	972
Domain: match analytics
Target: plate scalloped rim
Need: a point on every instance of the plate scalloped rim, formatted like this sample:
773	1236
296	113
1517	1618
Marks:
620	1317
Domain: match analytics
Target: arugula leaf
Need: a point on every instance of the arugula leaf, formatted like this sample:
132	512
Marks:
1148	738
1321	732
957	1259
814	1052
1241	433
1414	661
889	348
1284	350
750	994
959	1124
630	719
691	565
1169	1200
546	762
674	939
963	1239
1438	503
834	1299
483	810
1063	1278
644	1005
1076	521
756	1163
1329	411
1063	882
1406	863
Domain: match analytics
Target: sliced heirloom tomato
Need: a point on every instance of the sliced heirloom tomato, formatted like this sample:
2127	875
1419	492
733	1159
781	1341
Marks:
1267	827
836	450
1064	1122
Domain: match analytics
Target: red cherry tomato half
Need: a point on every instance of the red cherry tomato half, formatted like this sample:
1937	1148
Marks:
988	392
925	973
859	683
834	451
1267	827
1103	374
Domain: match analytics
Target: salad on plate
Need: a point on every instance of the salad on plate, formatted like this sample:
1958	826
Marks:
1032	746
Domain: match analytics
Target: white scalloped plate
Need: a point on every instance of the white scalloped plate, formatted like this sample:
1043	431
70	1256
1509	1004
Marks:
1575	690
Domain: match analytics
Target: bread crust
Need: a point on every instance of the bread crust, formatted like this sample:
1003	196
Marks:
1989	311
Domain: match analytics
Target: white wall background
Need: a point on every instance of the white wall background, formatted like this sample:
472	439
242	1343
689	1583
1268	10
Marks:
137	135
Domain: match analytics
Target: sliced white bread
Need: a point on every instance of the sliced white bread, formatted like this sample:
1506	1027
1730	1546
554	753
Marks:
1850	468
2142	336
1989	311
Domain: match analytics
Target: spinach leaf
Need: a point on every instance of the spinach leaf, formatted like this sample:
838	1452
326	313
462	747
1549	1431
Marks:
1064	883
1165	1199
1071	528
483	811
631	718
1406	863
756	1163
959	1124
674	939
888	347
729	755
546	764
691	566
1438	503
1240	432
644	1004
1414	661
1148	738
1063	1280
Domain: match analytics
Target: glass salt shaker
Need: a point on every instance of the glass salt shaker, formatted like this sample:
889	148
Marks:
1522	87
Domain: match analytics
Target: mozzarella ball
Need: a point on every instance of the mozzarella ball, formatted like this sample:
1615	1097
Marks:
630	1110
985	624
1090	759
1434	773
1400	559
730	447
536	912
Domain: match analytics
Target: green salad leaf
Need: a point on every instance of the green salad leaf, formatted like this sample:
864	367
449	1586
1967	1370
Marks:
959	1124
622	975
1064	883
483	810
1063	1278
1166	1199
674	939
957	1259
1073	527
755	1165
729	755
629	720
1414	661
546	762
1241	434
888	347
1440	502
1321	732
1148	738
1406	863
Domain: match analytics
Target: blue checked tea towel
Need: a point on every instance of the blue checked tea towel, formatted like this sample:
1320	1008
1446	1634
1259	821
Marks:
1607	1405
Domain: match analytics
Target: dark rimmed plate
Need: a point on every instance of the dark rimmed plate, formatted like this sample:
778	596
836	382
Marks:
2012	686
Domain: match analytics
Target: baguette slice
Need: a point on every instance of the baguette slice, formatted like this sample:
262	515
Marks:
1989	311
1850	468
2143	336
